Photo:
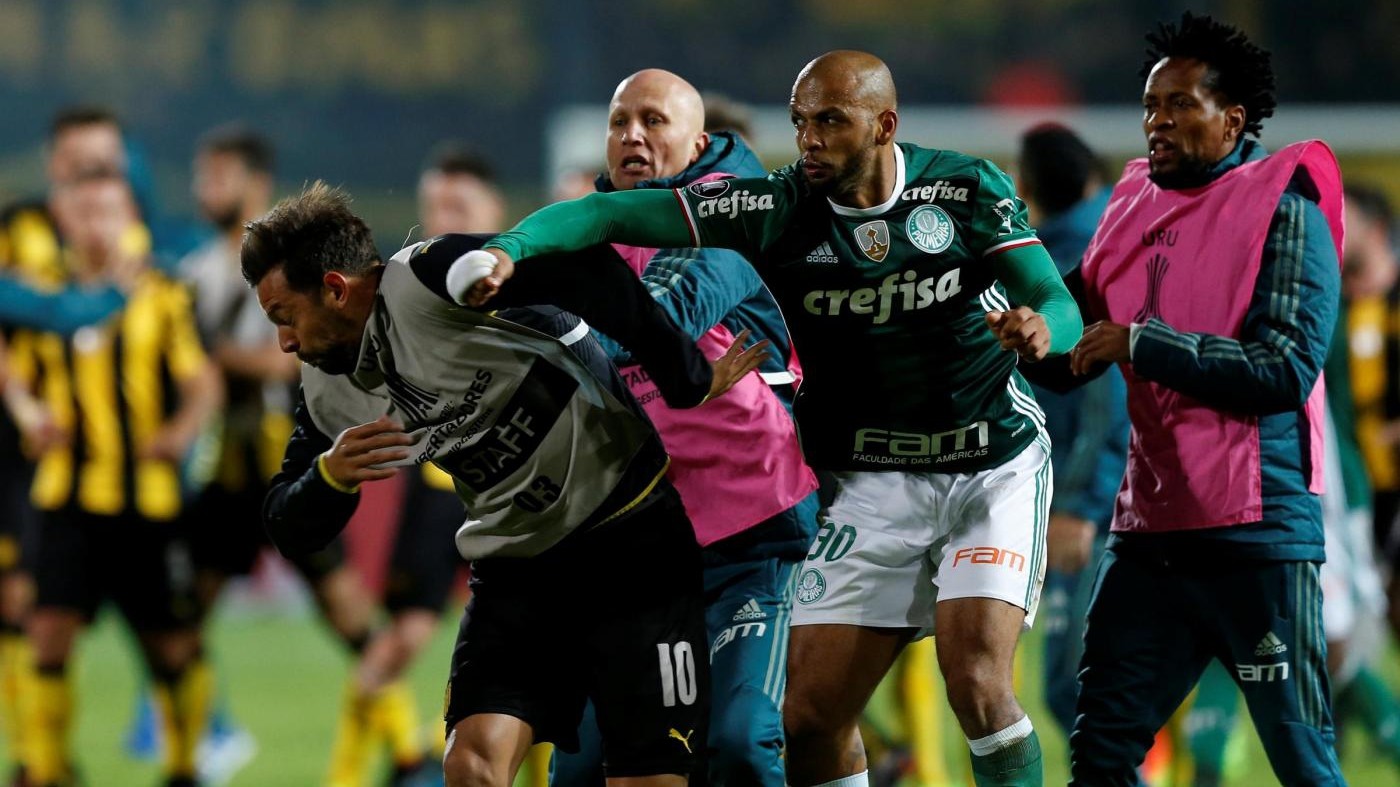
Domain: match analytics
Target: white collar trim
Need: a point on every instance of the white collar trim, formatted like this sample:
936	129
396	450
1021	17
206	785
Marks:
875	210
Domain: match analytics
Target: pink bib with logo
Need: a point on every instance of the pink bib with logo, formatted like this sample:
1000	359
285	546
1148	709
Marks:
735	459
1190	258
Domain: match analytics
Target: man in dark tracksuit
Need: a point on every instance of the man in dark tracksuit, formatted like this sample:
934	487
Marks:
1218	528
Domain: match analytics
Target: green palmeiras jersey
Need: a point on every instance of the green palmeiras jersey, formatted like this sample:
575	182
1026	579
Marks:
887	307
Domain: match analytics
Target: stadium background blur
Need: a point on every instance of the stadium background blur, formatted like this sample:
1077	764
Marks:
357	93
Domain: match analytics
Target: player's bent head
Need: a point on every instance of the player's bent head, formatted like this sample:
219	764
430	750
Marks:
309	236
315	268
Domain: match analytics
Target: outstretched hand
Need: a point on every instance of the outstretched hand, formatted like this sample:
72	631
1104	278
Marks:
1021	329
736	362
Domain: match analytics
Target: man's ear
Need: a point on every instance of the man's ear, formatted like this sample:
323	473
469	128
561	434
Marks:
337	288
701	143
886	123
1234	123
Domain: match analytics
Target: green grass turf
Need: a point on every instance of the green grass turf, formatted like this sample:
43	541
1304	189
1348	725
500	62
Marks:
284	676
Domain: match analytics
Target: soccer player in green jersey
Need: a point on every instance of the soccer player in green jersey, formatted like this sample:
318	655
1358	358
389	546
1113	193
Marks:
899	269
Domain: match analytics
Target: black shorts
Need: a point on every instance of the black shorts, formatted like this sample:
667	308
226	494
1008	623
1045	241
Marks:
425	560
226	535
144	567
614	614
17	516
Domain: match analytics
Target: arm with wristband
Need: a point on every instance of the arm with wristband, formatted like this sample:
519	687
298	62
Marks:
312	497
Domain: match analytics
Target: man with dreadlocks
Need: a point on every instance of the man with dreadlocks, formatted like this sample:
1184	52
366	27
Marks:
1214	275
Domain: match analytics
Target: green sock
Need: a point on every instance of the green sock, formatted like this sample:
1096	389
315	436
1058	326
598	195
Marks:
1017	765
1373	702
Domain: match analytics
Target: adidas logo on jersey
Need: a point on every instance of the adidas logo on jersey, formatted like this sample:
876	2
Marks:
822	255
939	190
750	611
1270	645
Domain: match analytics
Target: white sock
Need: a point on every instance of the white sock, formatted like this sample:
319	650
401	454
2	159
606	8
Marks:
854	780
1002	738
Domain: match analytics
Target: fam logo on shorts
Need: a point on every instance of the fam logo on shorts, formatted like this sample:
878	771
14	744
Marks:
873	238
710	189
811	587
930	229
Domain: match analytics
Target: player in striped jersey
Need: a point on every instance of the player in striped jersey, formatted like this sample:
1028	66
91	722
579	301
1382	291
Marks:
117	407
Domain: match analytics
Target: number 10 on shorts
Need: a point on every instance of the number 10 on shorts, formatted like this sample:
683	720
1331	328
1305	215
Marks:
677	673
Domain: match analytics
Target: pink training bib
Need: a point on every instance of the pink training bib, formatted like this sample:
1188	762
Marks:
1190	258
735	460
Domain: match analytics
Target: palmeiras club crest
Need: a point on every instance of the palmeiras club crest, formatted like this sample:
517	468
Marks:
811	587
930	228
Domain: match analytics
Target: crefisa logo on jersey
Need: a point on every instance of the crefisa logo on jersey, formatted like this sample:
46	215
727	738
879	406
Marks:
716	204
939	190
873	238
930	229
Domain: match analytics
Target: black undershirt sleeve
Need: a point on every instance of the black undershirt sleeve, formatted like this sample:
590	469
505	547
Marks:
303	513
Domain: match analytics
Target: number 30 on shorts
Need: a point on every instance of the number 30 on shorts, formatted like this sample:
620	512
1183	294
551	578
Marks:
832	544
677	674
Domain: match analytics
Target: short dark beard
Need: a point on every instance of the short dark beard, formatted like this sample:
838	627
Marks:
342	359
1189	173
849	179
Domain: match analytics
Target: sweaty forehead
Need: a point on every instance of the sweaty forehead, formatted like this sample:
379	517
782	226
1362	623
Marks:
814	93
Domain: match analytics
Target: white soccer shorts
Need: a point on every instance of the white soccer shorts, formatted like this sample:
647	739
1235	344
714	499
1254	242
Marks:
894	544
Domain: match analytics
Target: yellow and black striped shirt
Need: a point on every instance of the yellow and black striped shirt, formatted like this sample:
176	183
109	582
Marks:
1373	334
111	388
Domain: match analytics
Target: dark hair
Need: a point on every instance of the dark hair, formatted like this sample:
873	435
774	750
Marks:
1055	167
1372	202
308	235
459	158
78	116
255	150
1237	70
723	113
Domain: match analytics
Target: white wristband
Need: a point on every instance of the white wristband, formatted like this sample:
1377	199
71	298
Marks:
466	271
